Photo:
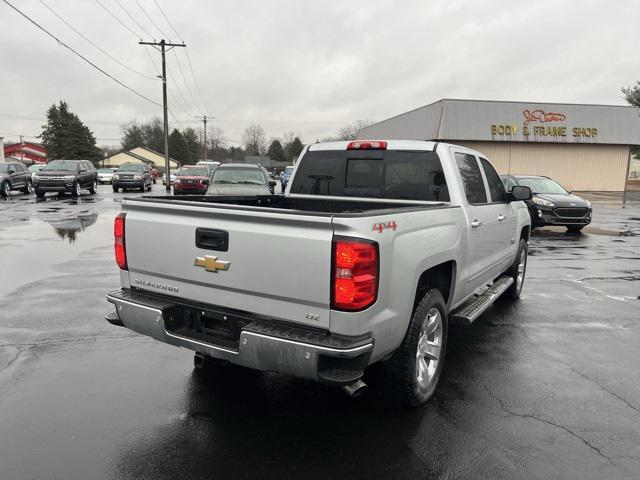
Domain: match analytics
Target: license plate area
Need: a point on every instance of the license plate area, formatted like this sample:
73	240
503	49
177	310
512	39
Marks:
209	326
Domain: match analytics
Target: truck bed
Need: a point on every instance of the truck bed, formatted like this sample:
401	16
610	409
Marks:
324	206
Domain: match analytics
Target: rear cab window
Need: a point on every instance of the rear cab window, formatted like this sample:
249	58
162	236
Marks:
390	174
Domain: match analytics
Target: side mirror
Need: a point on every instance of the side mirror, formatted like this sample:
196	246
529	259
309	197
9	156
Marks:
519	192
272	183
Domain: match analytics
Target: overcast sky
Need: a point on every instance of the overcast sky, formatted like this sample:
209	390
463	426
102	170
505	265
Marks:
310	66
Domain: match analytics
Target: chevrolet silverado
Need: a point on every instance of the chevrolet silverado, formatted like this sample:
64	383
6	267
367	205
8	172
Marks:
386	244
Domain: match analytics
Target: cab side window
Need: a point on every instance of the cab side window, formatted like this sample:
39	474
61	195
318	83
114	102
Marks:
471	178
496	188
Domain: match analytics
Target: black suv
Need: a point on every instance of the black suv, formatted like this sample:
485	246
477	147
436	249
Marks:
14	176
132	175
66	176
551	204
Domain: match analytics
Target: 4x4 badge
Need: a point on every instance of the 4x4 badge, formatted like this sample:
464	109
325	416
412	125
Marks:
211	263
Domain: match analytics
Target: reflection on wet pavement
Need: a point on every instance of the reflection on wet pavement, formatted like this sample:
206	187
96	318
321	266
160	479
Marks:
545	387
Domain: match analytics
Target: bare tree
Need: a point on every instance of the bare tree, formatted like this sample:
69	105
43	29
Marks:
254	140
216	138
350	131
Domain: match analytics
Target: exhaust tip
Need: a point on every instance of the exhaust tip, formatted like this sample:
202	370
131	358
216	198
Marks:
355	389
199	360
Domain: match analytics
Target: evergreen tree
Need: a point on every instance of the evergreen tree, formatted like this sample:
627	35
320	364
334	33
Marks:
276	152
178	147
293	149
66	137
193	145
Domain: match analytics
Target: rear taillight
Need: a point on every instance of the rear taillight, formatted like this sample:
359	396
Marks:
367	145
354	274
119	245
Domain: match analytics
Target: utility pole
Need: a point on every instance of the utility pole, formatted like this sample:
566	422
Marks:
204	120
162	44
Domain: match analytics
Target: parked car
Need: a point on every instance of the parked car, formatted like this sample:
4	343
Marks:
172	177
132	175
206	163
105	175
192	180
66	176
35	168
386	243
240	179
551	204
284	177
14	176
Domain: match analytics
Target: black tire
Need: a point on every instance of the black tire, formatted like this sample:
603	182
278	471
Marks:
39	193
143	187
514	270
403	367
154	181
75	190
94	187
575	229
5	190
115	189
28	188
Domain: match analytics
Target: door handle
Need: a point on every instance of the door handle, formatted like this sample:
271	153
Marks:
476	224
501	218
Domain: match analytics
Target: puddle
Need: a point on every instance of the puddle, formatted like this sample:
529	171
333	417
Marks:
611	233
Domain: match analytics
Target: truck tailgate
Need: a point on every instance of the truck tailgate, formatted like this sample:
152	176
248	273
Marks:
279	265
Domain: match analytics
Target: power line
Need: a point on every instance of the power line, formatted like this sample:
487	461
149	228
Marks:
61	43
134	20
186	109
195	104
118	20
186	51
92	43
152	22
168	22
195	82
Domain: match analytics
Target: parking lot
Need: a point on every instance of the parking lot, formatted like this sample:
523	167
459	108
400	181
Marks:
547	387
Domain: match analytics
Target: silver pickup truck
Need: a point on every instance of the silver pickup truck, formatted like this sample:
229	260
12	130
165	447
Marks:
373	250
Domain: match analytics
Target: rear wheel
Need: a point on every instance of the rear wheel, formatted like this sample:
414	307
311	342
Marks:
115	189
518	269
94	187
575	228
5	189
39	193
28	188
142	187
417	365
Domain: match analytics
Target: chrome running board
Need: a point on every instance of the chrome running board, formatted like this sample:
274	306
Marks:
474	307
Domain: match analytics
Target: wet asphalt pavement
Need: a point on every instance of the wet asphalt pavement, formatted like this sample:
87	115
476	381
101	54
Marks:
547	387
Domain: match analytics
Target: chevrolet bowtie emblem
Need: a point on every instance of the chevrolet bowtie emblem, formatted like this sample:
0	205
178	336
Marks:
211	263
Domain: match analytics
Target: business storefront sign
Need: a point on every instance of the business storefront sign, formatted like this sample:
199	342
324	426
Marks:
542	125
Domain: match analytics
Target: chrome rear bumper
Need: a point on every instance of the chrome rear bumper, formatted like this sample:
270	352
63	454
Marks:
261	347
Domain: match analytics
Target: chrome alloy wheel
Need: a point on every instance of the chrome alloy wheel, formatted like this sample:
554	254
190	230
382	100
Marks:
78	189
522	267
429	348
6	189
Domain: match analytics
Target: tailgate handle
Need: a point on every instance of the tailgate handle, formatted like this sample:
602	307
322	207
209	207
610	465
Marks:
210	239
